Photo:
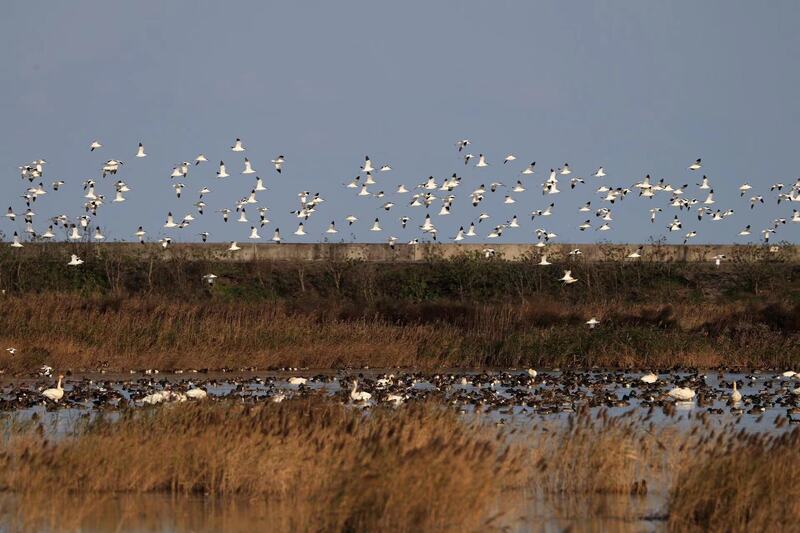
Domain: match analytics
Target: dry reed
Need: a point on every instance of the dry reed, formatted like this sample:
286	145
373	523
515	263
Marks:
743	482
88	332
330	468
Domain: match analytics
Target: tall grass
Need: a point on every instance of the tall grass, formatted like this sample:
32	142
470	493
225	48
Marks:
121	312
743	482
316	465
151	331
329	468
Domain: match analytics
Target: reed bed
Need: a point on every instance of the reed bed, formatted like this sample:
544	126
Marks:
120	312
740	483
329	468
315	465
112	332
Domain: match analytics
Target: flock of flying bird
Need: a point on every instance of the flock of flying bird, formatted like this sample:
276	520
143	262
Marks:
430	192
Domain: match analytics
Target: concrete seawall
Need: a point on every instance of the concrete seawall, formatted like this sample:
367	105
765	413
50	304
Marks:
411	253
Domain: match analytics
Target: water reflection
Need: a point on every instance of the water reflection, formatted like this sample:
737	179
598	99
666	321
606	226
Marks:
154	513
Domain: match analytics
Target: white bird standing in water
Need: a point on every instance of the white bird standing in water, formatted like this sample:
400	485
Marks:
357	395
55	394
736	396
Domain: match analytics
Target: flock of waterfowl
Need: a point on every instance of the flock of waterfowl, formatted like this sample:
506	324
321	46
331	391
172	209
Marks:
503	392
371	182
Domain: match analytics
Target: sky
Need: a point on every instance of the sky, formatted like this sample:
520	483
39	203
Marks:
639	87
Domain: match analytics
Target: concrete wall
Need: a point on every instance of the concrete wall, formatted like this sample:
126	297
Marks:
411	253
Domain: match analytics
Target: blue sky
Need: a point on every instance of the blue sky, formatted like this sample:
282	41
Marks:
638	87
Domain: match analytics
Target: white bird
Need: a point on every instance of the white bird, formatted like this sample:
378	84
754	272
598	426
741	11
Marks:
682	394
200	159
696	165
367	168
636	254
15	242
170	223
196	393
74	234
237	146
234	247
482	161
276	236
95	145
736	396
210	278
649	378
254	233
567	278
278	163
357	395
11	351
75	261
297	381
299	231
222	173
592	322
509	157
248	167
140	151
55	394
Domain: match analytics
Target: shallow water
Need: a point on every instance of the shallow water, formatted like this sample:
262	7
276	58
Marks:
506	397
163	514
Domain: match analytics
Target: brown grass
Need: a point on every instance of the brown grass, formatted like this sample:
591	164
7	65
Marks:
70	331
316	465
741	483
418	467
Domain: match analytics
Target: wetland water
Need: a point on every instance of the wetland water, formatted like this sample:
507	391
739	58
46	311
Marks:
511	398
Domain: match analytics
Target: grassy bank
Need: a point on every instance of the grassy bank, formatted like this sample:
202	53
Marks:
321	466
121	313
